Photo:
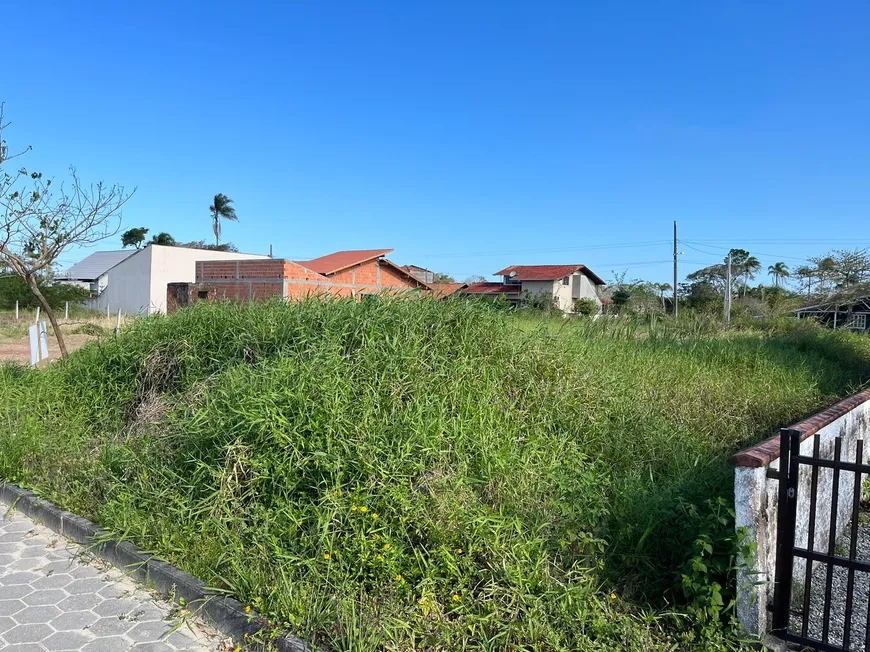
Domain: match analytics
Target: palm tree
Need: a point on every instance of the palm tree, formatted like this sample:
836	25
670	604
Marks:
221	209
750	267
662	288
778	271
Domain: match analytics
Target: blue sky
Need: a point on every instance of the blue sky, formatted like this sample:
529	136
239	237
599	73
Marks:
466	135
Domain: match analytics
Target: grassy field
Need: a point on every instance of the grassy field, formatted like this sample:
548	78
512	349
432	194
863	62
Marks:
421	475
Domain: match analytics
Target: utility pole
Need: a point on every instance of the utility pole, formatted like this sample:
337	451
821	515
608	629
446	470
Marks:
728	294
676	309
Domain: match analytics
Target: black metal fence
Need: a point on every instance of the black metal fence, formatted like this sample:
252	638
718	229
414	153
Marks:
826	607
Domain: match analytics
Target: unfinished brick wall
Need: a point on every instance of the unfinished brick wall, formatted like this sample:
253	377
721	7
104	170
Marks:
375	274
246	280
177	296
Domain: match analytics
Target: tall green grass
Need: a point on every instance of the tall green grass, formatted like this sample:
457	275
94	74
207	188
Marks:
420	475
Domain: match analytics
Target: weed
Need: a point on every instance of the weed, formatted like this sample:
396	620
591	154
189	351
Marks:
88	329
427	475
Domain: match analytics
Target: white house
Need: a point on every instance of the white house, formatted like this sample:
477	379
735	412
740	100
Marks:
564	283
136	282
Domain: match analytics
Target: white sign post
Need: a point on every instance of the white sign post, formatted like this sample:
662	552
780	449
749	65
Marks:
43	341
38	343
33	332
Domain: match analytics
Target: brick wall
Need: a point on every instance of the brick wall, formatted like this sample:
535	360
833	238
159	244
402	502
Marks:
373	274
244	280
177	296
391	277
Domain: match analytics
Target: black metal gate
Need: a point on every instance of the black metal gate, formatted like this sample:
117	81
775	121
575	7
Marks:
806	618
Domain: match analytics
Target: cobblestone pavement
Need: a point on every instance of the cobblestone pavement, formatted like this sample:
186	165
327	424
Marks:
55	596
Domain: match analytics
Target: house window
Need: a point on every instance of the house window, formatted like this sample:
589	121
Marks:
859	322
566	280
202	294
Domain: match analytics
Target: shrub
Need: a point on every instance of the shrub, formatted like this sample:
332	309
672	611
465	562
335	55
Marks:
88	329
585	307
13	288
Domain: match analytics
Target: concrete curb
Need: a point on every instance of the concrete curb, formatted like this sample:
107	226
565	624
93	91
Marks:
225	613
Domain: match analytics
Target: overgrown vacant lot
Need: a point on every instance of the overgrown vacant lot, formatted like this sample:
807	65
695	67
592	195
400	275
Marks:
420	475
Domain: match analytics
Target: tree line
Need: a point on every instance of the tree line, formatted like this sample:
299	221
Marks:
837	273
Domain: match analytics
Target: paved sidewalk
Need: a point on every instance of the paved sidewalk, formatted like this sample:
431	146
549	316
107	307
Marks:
55	596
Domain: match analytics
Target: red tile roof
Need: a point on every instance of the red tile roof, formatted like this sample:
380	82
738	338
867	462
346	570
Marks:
340	260
547	272
446	289
492	288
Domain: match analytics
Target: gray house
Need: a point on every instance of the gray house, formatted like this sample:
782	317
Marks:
840	312
92	273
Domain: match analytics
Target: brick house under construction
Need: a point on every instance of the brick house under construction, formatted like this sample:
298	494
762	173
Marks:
344	273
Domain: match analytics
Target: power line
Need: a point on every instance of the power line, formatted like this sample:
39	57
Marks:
519	252
689	243
786	241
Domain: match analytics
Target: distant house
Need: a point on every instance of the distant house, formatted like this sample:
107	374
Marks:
852	313
425	275
342	274
92	273
561	284
134	282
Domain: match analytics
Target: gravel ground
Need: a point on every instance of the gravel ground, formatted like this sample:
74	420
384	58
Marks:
839	583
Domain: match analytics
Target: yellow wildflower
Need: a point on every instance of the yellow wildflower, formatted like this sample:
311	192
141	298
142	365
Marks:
459	551
374	516
399	578
248	609
387	546
613	596
456	597
380	557
326	556
363	509
353	508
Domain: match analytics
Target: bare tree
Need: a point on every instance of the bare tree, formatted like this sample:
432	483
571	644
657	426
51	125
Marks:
40	219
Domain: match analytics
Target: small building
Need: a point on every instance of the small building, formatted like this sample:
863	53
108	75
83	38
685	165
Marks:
561	284
135	283
342	274
425	275
840	312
